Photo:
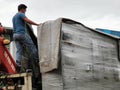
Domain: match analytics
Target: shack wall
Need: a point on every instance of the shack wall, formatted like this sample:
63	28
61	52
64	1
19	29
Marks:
88	59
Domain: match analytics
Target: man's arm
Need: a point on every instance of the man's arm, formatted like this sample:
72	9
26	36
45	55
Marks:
30	21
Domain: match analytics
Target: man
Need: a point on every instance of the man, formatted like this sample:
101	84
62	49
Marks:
20	35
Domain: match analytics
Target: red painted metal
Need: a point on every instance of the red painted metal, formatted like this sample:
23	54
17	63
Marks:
7	63
6	59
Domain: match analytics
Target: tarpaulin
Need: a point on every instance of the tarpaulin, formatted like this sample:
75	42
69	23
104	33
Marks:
48	44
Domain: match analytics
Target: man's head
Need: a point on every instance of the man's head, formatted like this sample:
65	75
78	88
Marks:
22	8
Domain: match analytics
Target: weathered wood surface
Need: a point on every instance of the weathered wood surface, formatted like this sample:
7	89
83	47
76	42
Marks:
52	80
89	59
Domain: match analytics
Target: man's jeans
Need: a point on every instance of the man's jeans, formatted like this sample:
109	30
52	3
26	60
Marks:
24	40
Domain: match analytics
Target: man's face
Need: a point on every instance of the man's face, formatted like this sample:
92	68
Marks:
23	10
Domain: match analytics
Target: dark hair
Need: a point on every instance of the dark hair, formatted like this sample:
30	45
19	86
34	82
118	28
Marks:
22	6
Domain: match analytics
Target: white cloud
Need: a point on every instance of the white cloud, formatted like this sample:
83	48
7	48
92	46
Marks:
92	13
107	22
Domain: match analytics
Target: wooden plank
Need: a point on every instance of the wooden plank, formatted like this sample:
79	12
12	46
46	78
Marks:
22	80
52	80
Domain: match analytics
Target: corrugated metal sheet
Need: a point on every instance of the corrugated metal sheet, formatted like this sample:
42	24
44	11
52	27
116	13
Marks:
89	59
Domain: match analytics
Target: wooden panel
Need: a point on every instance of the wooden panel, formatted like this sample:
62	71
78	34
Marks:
52	80
89	59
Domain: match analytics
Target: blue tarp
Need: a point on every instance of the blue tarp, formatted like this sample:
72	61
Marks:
112	32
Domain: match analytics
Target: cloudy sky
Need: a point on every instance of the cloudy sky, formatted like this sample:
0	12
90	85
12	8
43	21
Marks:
92	13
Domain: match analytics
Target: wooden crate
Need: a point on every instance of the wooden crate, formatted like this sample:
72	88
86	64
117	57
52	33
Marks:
22	81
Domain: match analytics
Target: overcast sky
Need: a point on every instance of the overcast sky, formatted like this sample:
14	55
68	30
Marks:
92	13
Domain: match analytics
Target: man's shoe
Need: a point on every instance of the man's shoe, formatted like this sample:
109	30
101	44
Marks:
28	70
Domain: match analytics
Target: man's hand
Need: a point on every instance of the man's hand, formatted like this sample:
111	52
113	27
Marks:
37	24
